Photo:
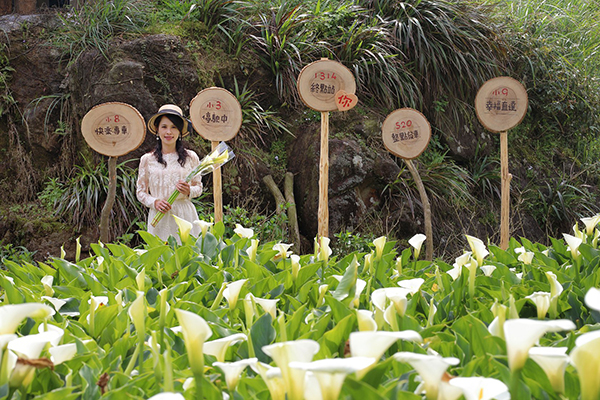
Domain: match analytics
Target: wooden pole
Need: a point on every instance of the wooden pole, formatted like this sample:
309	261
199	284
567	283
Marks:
288	189
217	190
324	177
505	191
110	199
426	208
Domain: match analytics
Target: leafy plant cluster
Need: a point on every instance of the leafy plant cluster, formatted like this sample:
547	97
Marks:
79	199
230	313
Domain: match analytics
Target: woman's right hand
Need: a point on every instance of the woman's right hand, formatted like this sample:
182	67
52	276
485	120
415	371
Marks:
162	205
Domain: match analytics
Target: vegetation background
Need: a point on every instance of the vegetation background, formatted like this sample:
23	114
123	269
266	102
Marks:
430	55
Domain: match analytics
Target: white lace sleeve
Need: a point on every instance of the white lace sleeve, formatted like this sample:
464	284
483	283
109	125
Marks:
196	183
142	191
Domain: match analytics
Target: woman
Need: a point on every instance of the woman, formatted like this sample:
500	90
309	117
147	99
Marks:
164	170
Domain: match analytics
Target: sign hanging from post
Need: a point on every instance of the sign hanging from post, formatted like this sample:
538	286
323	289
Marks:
113	129
406	134
501	104
216	115
324	86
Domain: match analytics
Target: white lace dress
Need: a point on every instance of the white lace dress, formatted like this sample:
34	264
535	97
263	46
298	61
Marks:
155	181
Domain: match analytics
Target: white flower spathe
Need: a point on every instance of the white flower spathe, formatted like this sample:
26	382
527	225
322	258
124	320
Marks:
521	334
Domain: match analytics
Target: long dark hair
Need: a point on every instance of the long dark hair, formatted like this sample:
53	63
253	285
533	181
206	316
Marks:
179	147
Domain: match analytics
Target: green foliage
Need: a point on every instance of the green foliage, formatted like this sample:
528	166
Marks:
6	98
348	242
555	47
79	199
95	23
316	302
266	227
559	202
256	121
17	254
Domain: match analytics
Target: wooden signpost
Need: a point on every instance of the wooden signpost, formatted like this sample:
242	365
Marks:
324	86
216	115
113	129
501	104
406	134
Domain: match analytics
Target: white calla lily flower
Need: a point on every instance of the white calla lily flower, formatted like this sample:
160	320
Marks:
554	361
412	285
331	373
184	226
586	359
478	388
232	292
431	368
322	249
374	344
590	224
242	232
283	354
233	371
252	249
478	248
195	332
488	270
56	303
592	299
521	334
282	251
11	315
417	242
137	313
541	301
204	226
366	322
29	347
379	244
272	378
526	257
47	283
574	243
62	353
295	259
269	305
167	396
218	348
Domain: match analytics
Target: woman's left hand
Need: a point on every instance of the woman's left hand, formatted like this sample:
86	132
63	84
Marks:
183	187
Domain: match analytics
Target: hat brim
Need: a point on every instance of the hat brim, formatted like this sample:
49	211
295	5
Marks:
187	125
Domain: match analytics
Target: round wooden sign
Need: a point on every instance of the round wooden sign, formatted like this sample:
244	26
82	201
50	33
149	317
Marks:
216	114
320	81
113	129
406	133
501	103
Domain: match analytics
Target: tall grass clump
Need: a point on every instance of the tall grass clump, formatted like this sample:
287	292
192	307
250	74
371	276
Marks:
556	45
80	198
95	23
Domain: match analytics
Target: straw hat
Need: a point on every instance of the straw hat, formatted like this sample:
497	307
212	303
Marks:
173	110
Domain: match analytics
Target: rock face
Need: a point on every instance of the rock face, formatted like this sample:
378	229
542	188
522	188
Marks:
357	176
145	73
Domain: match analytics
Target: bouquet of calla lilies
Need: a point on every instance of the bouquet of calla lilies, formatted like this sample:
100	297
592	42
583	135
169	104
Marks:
220	155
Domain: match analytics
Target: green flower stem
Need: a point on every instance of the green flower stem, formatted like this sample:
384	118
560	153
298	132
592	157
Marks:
218	299
168	378
131	364
515	385
199	379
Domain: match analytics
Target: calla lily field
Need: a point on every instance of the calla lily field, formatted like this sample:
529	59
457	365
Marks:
217	317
